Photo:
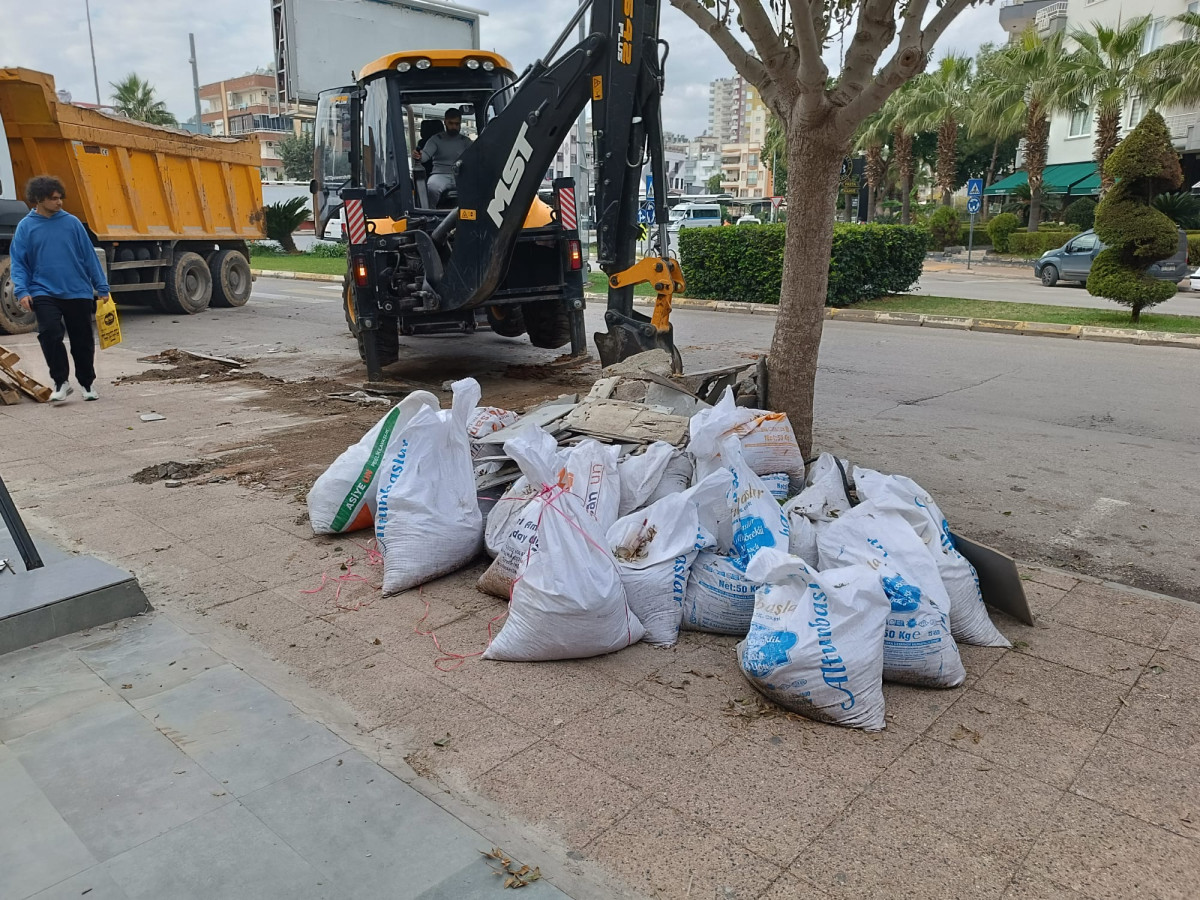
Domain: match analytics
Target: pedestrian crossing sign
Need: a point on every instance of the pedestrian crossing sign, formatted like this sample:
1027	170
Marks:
974	187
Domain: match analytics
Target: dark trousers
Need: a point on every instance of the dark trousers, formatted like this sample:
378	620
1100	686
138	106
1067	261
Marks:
73	318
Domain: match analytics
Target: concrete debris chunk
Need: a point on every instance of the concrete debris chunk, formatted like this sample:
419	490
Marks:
619	420
656	361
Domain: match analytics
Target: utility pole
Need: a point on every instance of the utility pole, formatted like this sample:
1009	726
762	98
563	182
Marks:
195	82
87	8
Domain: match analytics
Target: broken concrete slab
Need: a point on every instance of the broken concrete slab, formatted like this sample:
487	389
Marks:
618	420
657	361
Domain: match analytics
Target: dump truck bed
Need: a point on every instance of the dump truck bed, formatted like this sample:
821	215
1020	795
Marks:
128	180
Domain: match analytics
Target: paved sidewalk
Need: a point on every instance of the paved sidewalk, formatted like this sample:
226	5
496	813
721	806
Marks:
136	762
1068	767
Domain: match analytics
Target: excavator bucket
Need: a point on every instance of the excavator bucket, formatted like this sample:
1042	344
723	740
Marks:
635	333
629	335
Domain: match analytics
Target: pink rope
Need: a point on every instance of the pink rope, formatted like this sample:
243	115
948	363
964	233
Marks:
371	557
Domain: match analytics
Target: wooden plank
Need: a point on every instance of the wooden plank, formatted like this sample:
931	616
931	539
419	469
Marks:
10	394
30	386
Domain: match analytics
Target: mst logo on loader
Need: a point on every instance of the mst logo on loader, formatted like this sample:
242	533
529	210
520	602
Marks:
514	168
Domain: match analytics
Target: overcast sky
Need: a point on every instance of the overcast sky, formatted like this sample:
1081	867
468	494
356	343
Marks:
234	37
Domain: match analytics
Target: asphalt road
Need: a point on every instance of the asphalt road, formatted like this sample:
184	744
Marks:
1078	454
1019	286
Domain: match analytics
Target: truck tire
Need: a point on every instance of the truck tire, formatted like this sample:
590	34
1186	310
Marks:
387	336
13	317
506	320
189	285
548	323
232	281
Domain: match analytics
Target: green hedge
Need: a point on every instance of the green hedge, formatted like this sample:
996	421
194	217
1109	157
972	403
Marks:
1193	248
745	263
1024	243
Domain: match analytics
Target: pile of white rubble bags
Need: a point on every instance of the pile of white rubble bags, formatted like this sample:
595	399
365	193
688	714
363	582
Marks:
594	551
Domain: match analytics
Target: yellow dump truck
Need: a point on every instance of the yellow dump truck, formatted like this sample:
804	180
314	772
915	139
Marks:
169	211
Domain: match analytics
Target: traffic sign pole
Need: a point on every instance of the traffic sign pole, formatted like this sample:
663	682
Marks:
971	241
974	200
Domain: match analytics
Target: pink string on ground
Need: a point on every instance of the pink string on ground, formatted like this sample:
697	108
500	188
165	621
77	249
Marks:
457	658
371	557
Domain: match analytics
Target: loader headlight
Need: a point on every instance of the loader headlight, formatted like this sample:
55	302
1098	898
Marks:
472	64
423	64
488	65
403	67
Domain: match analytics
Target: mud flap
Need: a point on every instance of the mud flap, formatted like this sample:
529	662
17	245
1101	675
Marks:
633	334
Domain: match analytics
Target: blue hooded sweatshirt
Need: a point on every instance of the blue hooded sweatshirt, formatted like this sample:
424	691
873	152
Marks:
52	256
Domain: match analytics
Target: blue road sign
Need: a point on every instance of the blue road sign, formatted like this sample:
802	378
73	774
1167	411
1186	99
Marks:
974	187
645	217
973	205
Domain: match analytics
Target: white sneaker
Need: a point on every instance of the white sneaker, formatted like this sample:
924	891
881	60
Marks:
89	393
61	393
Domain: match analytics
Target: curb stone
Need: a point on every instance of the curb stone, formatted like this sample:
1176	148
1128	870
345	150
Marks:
295	276
1051	329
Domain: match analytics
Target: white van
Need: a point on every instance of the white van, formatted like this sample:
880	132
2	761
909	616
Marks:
694	215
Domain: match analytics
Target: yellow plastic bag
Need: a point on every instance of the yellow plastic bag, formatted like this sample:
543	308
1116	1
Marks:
107	323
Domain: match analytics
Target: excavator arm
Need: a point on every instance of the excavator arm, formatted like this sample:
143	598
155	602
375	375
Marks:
618	68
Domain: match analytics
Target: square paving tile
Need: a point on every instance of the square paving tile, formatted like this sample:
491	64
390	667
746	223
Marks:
366	831
1183	637
1152	787
1161	711
1028	886
667	855
548	786
93	883
1117	614
1103	854
1060	580
1016	737
37	847
380	688
227	853
316	645
245	735
976	801
129	782
1084	651
42	685
876	851
1055	690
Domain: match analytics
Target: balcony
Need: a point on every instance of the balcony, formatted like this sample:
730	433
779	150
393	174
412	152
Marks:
1184	129
1051	19
1017	15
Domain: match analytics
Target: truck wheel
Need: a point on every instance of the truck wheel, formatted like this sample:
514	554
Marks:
548	323
13	317
387	336
506	320
189	285
231	278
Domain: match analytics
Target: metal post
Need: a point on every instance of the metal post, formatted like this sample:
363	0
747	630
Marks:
196	83
87	8
970	241
17	530
583	182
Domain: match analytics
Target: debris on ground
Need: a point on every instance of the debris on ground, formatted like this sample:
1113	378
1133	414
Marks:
174	471
514	876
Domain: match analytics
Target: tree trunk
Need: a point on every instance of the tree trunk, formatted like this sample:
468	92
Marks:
1037	139
814	158
947	159
987	182
1108	133
871	192
876	170
902	148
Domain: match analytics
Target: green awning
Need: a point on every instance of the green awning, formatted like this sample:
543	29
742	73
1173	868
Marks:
1076	179
1062	179
1007	185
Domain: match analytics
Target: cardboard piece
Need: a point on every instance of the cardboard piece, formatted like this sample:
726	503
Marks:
998	578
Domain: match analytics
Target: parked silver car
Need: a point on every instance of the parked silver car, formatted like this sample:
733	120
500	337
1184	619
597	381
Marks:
1073	261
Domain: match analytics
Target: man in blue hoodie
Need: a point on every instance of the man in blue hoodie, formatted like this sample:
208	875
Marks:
55	273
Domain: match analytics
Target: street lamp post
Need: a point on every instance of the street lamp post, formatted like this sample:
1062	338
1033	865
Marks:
87	8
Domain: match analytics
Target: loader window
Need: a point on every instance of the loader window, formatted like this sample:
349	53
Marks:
332	139
380	152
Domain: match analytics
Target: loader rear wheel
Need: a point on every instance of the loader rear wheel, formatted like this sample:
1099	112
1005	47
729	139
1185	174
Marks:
387	336
548	323
232	281
13	317
189	285
506	320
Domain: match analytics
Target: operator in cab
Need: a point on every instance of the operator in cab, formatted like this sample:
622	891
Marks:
443	151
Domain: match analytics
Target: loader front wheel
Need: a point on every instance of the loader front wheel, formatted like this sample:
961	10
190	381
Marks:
548	323
506	320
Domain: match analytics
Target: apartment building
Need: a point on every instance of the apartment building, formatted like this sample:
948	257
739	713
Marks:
249	105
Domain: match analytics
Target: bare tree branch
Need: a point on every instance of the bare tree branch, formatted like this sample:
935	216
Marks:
747	66
813	71
762	33
909	59
875	29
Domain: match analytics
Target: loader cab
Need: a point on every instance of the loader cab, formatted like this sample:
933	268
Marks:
366	134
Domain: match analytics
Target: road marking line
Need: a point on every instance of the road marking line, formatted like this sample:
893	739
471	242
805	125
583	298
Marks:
1101	510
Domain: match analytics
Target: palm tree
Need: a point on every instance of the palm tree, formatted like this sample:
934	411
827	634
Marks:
1177	66
940	101
1106	69
134	97
1019	88
872	136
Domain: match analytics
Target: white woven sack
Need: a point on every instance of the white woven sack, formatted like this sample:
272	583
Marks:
343	498
719	597
824	497
969	619
428	522
758	521
767	439
918	648
655	548
567	601
676	477
641	473
815	643
778	483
